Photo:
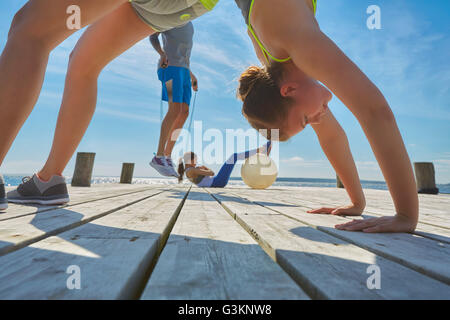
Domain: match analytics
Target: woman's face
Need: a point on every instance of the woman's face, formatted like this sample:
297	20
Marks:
310	101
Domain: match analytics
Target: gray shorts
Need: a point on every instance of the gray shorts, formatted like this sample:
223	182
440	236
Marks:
163	15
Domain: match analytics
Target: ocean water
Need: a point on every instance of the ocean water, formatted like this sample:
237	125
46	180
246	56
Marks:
15	180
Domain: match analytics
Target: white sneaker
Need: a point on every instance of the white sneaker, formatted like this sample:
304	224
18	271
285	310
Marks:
160	165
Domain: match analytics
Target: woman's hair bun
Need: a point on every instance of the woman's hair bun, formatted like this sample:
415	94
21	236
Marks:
248	79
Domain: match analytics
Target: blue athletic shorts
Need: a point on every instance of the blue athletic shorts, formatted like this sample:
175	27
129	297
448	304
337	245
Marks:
181	84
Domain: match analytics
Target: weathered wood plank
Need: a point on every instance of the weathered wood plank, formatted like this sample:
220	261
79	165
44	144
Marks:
431	225
78	195
327	266
113	254
427	256
308	201
370	194
209	256
379	202
437	232
19	232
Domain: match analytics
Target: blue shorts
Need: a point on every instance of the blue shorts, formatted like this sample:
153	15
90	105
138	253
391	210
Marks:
181	84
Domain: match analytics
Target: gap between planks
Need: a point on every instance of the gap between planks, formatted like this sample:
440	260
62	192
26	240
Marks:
423	228
41	209
409	263
30	239
140	286
431	287
210	256
148	239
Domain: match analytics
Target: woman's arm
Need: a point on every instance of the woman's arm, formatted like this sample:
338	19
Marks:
334	143
199	171
202	171
293	28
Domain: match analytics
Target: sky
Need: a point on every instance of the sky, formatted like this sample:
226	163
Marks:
407	59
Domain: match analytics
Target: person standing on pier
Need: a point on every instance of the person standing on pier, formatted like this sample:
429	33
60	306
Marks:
176	79
114	26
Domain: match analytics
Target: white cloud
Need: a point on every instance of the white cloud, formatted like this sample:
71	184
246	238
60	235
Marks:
401	59
213	54
442	165
128	115
367	165
293	160
22	166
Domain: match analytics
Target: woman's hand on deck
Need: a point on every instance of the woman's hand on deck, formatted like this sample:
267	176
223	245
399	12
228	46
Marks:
350	210
397	223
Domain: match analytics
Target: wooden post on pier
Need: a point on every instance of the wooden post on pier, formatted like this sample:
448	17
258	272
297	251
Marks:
127	173
83	169
425	177
339	183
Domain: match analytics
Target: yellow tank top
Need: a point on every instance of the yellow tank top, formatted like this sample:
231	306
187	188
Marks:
263	49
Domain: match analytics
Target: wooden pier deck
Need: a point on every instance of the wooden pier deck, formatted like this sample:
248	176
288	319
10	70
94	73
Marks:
184	242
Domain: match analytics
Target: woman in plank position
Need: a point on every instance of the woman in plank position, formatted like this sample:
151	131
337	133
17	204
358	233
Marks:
39	27
205	177
286	95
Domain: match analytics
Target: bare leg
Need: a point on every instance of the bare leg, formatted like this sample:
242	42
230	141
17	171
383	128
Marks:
175	109
35	31
167	124
101	43
174	131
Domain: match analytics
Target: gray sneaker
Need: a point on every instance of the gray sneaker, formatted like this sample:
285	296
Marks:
171	168
3	201
34	190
